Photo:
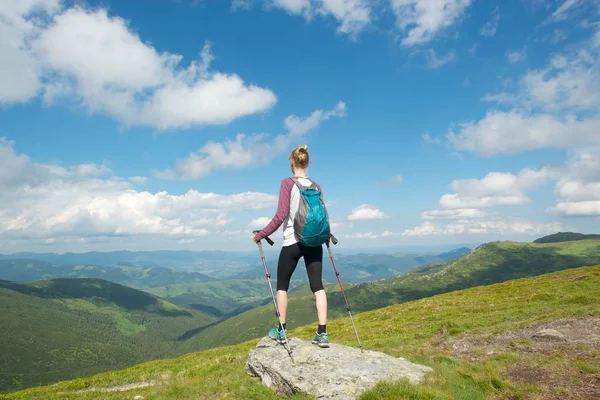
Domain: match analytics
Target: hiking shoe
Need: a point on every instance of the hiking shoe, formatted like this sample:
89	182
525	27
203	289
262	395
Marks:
321	339
277	335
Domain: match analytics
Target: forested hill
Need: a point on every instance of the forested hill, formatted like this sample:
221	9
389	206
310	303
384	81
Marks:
565	237
64	328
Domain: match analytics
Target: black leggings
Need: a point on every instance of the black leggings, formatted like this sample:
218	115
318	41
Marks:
288	260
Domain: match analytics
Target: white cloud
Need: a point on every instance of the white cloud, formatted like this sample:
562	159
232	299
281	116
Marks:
294	6
424	19
19	70
460	213
514	131
498	226
49	201
240	5
244	151
366	212
490	27
579	208
516	56
553	107
259	223
578	185
352	16
370	235
495	189
96	60
340	226
139	180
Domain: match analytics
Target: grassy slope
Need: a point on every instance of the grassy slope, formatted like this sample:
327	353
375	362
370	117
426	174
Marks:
415	330
60	329
491	263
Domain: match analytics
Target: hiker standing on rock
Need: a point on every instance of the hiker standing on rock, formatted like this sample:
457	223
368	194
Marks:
301	209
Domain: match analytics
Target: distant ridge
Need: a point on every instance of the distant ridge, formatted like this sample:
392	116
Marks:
565	237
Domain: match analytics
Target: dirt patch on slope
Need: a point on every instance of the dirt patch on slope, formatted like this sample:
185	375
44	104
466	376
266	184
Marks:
535	338
575	339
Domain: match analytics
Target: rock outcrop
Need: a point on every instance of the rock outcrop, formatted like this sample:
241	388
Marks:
335	373
551	334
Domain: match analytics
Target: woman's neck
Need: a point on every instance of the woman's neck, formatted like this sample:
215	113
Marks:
300	173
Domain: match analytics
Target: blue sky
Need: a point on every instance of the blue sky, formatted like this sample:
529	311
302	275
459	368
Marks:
168	125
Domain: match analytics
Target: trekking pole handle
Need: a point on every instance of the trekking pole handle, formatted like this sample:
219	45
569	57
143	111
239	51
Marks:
267	238
333	239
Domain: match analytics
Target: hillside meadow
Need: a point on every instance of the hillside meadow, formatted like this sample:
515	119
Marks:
502	360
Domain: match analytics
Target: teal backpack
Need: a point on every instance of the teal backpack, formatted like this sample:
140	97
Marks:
311	225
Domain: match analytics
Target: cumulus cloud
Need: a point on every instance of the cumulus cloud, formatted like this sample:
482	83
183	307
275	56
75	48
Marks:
19	70
95	60
501	133
420	21
424	19
246	150
259	223
498	226
554	107
53	202
352	16
366	212
578	185
370	235
495	189
294	6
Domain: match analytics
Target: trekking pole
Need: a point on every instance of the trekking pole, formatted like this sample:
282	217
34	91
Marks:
268	275
337	274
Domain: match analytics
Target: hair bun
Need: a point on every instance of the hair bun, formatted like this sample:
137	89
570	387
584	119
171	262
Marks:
303	149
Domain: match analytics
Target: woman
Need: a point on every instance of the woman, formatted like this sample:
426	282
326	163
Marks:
292	250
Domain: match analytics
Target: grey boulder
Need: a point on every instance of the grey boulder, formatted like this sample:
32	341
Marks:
335	373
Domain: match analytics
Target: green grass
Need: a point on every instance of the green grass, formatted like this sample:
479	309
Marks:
490	263
60	329
420	331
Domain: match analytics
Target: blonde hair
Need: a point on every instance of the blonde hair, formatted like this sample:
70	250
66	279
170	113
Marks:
300	156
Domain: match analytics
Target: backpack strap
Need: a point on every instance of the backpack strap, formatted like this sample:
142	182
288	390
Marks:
301	187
